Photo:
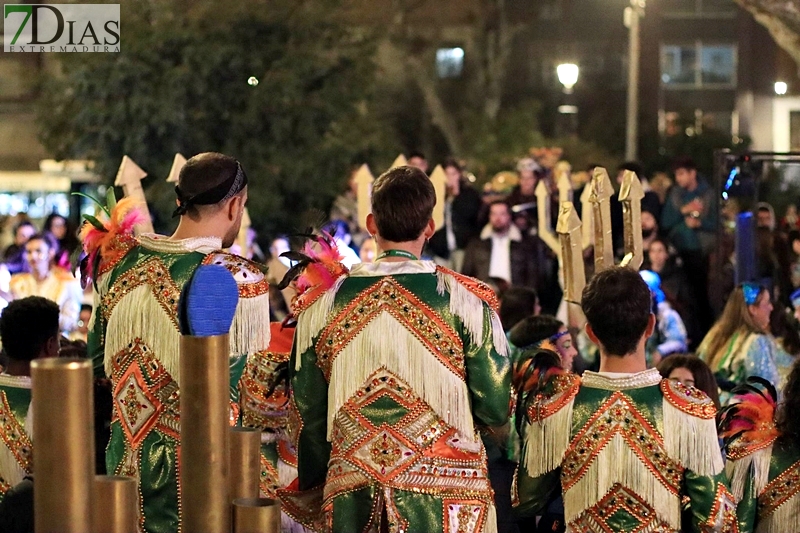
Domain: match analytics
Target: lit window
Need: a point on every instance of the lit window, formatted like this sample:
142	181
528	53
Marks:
698	65
449	62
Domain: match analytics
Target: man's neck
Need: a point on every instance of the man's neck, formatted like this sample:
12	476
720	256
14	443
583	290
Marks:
692	186
188	229
503	232
412	247
627	364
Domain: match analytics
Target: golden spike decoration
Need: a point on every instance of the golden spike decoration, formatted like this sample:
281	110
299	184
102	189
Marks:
569	233
630	196
364	179
587	224
175	171
600	198
129	177
400	161
543	212
439	181
564	186
241	238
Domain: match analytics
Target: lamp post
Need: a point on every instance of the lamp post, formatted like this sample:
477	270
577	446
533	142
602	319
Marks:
633	14
568	77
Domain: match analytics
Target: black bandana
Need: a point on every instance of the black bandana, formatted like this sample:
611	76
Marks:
227	189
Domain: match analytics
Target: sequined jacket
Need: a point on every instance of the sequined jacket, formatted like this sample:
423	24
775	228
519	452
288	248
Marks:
394	369
626	450
15	440
765	480
134	339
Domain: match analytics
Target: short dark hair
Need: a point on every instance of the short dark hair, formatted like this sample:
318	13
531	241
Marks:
516	303
26	325
500	202
202	173
685	162
452	162
617	304
402	203
416	153
533	330
633	166
48	238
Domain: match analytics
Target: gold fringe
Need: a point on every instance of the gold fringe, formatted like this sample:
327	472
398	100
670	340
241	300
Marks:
617	463
692	441
386	343
470	309
286	473
250	331
312	321
545	443
139	315
754	466
491	520
785	519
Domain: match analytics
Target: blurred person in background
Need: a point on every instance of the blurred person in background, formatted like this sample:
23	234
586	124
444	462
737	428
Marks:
345	208
669	335
461	211
66	237
418	160
14	255
516	304
49	281
523	195
793	273
740	345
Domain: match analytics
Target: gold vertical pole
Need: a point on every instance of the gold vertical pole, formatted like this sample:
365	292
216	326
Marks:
245	464
439	181
205	407
545	229
63	421
115	504
630	196
256	515
364	179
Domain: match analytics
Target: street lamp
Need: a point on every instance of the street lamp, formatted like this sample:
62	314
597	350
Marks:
781	87
568	76
631	20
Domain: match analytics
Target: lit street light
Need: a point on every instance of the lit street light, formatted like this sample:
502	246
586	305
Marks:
781	87
568	76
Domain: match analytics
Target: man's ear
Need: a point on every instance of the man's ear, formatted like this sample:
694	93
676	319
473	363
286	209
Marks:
651	326
372	227
234	206
591	335
430	229
53	346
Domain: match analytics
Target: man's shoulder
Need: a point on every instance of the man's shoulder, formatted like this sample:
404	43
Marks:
559	391
688	400
475	286
249	276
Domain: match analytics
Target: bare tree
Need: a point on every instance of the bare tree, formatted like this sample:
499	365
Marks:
781	18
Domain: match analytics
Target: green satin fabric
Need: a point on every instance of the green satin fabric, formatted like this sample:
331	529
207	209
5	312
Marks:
488	381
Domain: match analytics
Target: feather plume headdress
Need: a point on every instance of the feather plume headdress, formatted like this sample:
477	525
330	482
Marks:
749	423
105	238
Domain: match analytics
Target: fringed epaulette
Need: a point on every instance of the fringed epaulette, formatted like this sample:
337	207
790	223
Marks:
106	240
548	411
249	332
476	287
466	297
748	431
690	432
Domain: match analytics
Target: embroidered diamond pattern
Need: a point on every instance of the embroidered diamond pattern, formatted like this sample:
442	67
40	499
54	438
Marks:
384	454
137	407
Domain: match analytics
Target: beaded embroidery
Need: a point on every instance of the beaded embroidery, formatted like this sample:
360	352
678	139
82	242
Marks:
722	518
260	410
476	287
565	388
14	435
688	399
780	490
250	279
620	499
153	273
389	296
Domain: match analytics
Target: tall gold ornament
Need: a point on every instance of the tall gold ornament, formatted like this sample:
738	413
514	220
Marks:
630	196
129	177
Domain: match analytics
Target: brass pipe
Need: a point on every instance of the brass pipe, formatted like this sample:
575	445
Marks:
256	515
63	457
245	464
115	504
205	408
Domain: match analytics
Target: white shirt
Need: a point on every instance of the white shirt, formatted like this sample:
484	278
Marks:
500	262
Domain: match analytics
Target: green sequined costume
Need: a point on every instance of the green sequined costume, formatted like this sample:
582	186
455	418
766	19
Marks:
15	441
134	339
393	369
624	450
765	480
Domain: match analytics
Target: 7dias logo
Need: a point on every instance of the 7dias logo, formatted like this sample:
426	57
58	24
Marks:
61	28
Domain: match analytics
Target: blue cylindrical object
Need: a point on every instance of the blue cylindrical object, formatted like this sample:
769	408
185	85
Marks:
745	248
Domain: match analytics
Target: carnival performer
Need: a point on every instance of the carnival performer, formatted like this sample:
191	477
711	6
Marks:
739	344
762	443
29	330
134	337
395	366
625	445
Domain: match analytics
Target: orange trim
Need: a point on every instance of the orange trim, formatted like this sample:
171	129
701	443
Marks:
688	399
476	287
